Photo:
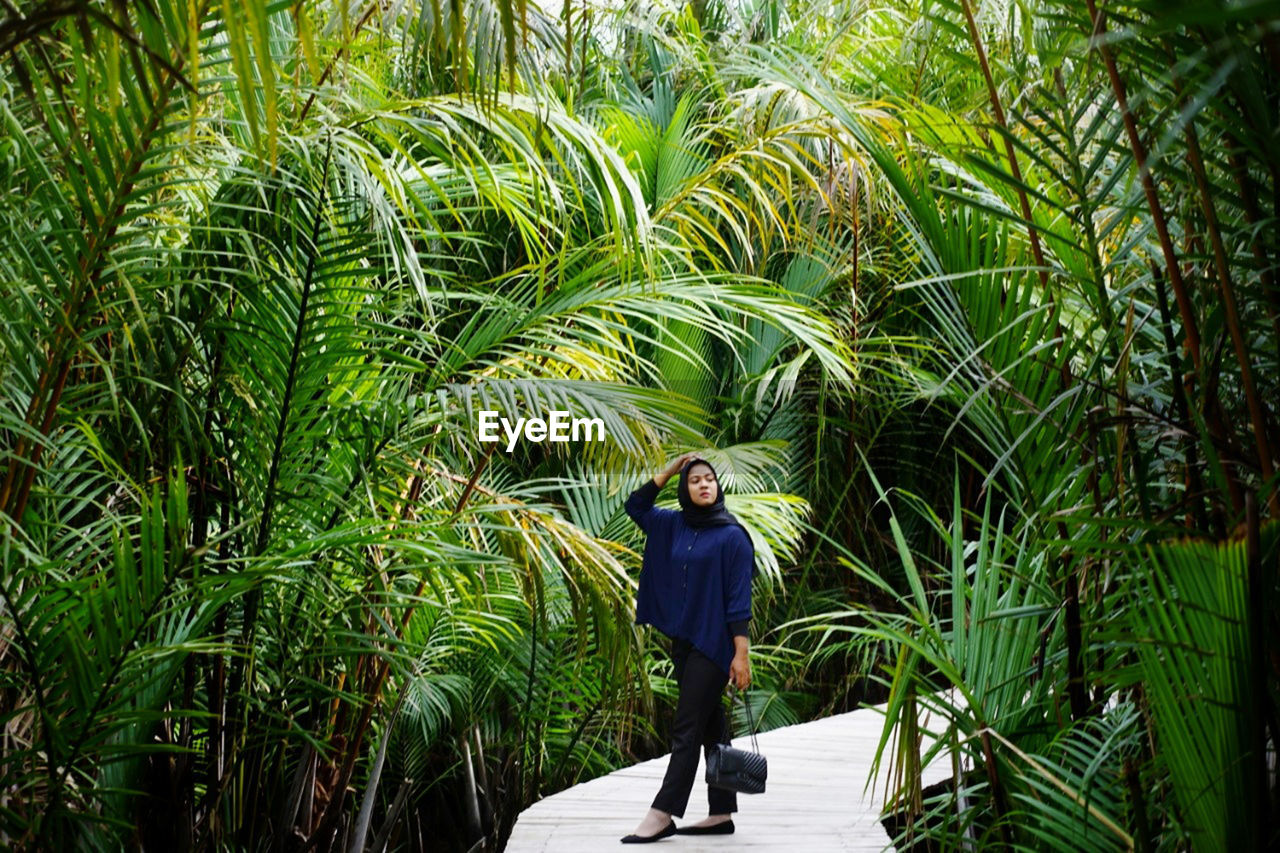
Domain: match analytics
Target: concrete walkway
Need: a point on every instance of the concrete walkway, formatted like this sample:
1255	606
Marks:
794	813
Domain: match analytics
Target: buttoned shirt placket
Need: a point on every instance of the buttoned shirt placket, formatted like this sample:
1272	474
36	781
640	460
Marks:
685	585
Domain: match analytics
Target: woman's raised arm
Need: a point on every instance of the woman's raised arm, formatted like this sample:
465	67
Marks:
640	504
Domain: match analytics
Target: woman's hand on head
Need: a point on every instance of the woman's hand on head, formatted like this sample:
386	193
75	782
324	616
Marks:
674	468
681	461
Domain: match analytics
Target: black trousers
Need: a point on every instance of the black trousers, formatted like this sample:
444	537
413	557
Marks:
700	722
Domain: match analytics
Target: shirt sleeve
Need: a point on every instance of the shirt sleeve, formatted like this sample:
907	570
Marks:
737	592
738	628
641	509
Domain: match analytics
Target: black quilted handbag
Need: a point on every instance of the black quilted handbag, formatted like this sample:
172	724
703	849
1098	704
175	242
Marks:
737	769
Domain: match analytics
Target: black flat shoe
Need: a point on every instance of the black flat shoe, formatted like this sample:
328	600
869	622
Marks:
645	839
723	828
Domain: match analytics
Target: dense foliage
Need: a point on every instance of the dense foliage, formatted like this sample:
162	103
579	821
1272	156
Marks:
973	304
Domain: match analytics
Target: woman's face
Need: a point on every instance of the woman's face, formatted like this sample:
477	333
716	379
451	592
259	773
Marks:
703	489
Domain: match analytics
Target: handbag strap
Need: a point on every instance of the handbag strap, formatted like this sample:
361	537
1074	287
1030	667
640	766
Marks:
747	708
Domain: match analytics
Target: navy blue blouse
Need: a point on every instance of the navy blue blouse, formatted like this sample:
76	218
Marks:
695	583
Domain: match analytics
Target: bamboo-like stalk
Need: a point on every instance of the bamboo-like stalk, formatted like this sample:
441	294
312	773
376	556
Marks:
216	688
1075	650
21	473
993	777
1160	221
1257	414
1221	267
337	56
910	769
536	617
483	773
1086	212
1186	309
254	599
566	15
473	798
59	775
384	838
1182	408
379	675
333	809
288	817
1138	803
1252	215
994	96
365	817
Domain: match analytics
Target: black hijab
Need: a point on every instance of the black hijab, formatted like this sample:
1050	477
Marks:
696	515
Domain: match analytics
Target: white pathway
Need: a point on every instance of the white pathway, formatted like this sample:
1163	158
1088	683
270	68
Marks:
795	813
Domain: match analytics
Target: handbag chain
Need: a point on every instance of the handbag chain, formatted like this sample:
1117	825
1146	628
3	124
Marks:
739	693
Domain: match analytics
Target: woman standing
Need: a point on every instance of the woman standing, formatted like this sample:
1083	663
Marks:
695	587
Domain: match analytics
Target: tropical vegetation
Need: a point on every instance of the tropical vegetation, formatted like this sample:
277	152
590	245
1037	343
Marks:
974	304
